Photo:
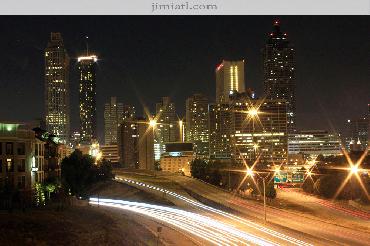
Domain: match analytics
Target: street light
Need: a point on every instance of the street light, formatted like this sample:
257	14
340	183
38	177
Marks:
152	123
309	173
253	112
354	170
250	173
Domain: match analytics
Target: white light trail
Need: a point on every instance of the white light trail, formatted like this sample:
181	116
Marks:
198	225
238	219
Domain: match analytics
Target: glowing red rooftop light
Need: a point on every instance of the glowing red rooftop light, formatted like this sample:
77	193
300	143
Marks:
219	66
276	22
272	34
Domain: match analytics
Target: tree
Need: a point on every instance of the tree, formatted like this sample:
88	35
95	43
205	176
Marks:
327	185
308	185
198	169
105	170
270	190
78	172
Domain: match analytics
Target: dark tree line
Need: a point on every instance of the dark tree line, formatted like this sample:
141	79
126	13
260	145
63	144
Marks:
79	172
212	172
332	171
206	171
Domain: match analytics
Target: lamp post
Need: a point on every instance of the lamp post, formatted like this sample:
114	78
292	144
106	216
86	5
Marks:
251	173
353	171
152	124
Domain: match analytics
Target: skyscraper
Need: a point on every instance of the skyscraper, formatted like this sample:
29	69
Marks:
258	128
145	147
113	115
128	139
167	127
229	79
87	97
219	131
136	144
197	123
279	72
57	88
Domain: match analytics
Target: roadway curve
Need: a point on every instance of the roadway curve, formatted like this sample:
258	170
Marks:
307	228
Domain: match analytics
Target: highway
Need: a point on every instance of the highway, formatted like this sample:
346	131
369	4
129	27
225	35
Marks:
203	227
296	227
274	237
323	206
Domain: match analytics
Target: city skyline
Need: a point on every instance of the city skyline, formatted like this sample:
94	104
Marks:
135	87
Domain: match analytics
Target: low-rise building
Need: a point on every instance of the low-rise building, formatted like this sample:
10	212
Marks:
177	158
21	157
313	143
110	153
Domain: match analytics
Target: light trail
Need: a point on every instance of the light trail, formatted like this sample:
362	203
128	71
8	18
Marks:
204	227
354	212
220	212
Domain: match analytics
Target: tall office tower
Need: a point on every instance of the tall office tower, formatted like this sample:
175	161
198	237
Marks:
219	131
87	97
127	143
167	127
145	145
128	112
197	123
229	79
356	137
279	72
258	129
57	88
113	115
136	144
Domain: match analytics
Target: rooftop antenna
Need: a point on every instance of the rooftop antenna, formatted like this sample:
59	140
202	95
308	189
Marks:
87	46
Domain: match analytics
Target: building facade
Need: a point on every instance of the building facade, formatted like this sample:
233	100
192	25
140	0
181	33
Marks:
313	143
229	79
110	153
145	145
279	72
258	129
21	157
136	144
167	125
197	123
113	115
177	158
87	98
219	131
127	143
57	114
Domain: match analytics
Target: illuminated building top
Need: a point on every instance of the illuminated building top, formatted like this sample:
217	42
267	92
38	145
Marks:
88	58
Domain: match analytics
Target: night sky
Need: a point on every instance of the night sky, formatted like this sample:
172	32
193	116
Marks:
143	58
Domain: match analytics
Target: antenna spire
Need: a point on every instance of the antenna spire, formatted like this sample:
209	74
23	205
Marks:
87	46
